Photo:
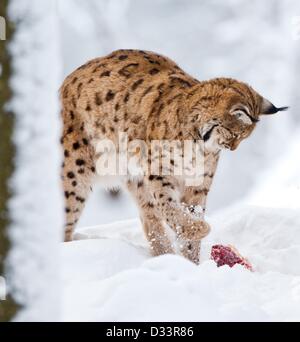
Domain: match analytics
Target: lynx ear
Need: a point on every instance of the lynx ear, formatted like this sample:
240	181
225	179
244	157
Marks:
268	108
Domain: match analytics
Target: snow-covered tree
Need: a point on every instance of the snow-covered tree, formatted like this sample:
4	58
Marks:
36	207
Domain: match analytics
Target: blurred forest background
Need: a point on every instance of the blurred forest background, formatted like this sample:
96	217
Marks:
257	42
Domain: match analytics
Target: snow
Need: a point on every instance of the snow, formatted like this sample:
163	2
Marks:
37	206
109	275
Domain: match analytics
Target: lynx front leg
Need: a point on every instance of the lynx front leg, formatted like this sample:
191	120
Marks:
189	229
156	234
151	220
195	196
190	239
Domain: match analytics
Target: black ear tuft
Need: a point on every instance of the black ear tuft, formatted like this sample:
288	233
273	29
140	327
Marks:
281	109
268	108
272	109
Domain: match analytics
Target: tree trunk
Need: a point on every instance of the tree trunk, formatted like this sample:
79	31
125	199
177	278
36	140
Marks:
7	307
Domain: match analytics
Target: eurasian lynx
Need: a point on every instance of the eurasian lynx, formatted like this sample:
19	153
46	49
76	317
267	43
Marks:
148	97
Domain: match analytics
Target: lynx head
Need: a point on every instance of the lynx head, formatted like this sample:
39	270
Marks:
230	111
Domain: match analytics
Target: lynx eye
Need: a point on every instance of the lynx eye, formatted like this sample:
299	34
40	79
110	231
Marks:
243	114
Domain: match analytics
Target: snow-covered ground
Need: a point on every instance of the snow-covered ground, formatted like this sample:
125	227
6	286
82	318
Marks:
110	276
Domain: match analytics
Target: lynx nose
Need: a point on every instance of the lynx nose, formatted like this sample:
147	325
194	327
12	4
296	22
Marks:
234	144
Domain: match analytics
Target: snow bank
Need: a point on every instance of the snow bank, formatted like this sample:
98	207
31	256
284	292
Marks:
111	276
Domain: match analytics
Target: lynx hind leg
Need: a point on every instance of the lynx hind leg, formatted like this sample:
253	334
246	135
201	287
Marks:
77	174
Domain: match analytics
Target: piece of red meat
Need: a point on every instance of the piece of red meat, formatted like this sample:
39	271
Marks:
228	255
